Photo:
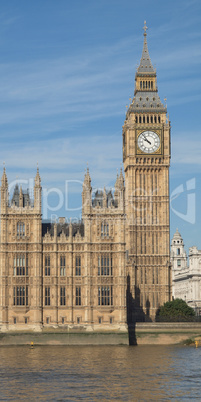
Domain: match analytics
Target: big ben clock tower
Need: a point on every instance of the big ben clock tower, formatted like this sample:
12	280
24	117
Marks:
146	156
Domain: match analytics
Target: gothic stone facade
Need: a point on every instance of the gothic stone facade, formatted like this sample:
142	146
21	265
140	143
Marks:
186	277
111	269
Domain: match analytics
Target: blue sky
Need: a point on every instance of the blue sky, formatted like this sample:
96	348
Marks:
66	75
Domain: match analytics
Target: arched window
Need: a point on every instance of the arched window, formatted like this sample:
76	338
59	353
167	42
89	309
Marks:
62	265
178	251
105	266
20	265
20	229
140	84
140	119
104	229
47	265
78	265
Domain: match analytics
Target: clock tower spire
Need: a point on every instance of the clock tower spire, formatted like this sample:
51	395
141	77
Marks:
146	156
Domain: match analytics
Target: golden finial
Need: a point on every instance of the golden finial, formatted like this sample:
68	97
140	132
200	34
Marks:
145	28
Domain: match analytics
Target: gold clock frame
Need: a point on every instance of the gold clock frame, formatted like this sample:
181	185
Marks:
158	132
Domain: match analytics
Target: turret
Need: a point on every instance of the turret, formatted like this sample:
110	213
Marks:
104	198
178	258
116	191
119	190
21	198
4	192
86	193
37	191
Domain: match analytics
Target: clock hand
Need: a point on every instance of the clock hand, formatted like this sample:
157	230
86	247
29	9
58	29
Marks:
146	140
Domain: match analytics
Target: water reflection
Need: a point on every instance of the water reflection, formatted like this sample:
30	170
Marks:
73	373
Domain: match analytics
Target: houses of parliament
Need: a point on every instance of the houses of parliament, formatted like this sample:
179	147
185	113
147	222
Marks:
111	269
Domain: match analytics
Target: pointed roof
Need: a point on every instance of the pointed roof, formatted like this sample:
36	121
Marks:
87	179
121	180
177	239
177	235
145	62
117	181
146	100
37	178
4	180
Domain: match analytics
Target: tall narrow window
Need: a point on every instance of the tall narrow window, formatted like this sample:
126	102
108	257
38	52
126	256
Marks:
156	299
78	265
156	243
47	296
62	296
47	265
104	229
62	265
20	265
20	229
157	275
105	296
105	265
152	243
145	275
156	184
20	296
153	277
78	296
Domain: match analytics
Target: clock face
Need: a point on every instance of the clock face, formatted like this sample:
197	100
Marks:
148	142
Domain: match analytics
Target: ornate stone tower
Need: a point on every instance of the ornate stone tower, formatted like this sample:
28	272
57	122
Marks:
146	156
21	258
179	264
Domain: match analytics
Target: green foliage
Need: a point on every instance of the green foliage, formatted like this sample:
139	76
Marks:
175	310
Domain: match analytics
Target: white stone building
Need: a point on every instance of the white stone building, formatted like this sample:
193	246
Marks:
186	276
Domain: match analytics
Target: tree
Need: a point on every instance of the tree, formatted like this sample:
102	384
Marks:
175	310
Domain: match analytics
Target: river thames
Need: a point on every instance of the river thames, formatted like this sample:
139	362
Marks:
100	373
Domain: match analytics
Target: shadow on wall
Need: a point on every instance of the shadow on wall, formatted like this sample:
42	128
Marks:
135	312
